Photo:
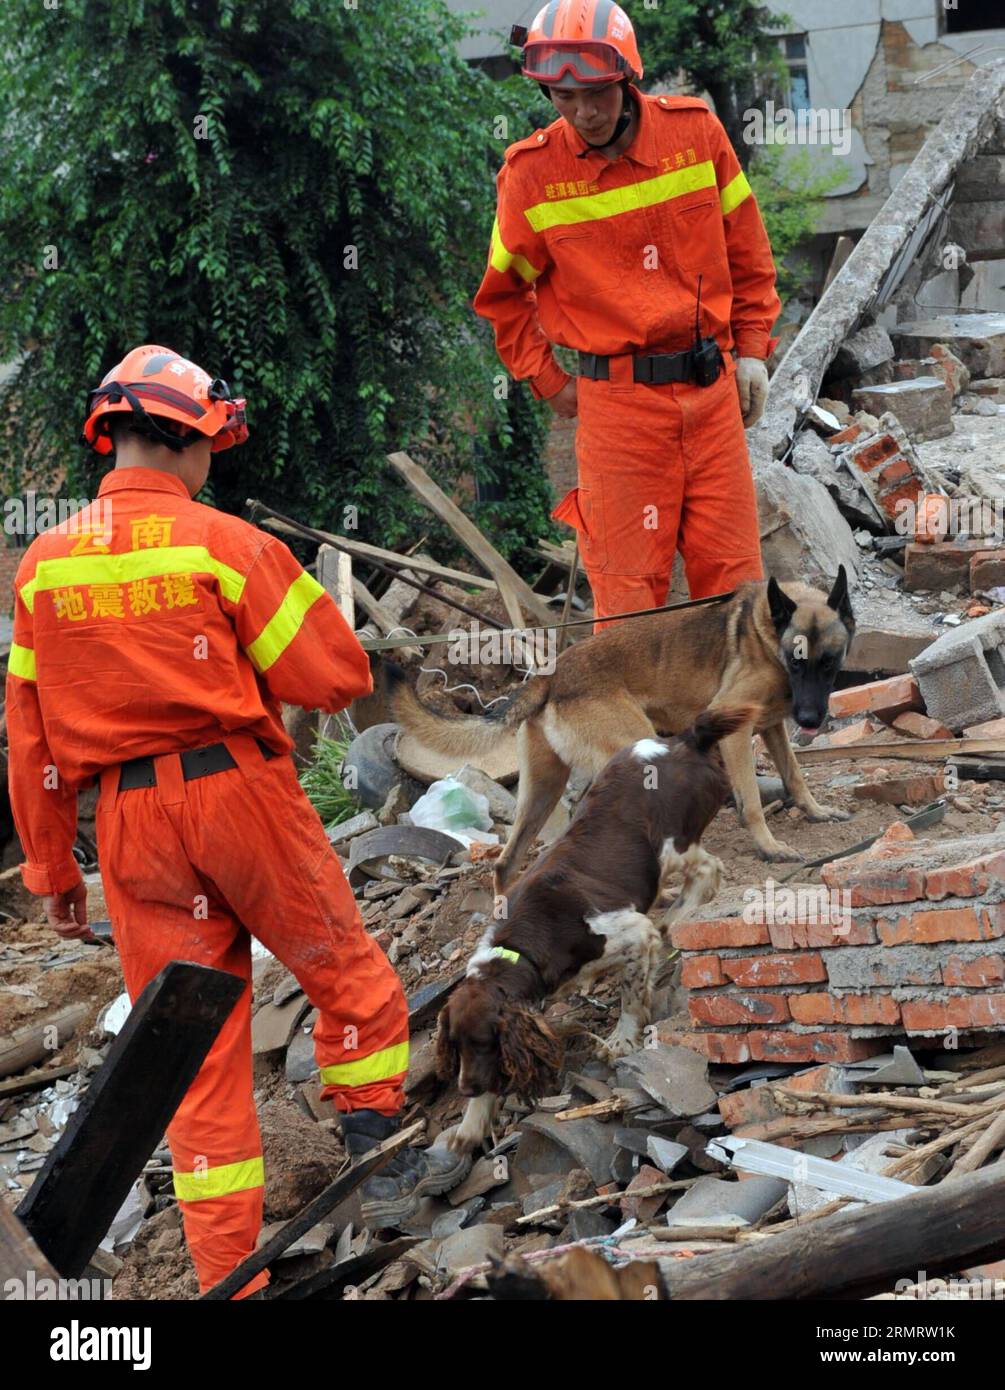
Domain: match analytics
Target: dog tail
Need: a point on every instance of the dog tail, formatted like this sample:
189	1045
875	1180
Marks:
461	736
716	724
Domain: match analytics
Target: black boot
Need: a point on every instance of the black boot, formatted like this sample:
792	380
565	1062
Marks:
392	1195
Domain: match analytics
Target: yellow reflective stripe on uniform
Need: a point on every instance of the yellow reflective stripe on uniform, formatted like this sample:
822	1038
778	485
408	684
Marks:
132	564
285	623
21	662
735	192
503	260
220	1182
379	1066
628	198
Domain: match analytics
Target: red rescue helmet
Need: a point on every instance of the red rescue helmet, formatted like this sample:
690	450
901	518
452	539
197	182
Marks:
164	391
579	43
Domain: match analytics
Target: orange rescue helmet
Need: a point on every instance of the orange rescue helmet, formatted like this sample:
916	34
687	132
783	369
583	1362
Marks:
156	384
579	43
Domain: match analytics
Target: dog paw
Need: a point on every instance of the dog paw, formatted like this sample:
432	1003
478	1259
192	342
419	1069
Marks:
818	812
777	853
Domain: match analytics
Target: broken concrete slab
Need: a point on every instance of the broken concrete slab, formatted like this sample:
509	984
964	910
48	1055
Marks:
923	405
868	348
978	340
475	1245
675	1077
349	829
803	535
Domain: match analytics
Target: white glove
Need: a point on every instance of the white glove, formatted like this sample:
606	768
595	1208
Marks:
752	384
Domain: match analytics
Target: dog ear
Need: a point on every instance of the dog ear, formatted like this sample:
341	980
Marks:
781	606
529	1053
839	600
448	1058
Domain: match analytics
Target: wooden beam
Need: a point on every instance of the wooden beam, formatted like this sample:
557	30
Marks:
361	550
125	1111
315	1211
910	750
18	1252
516	593
854	1254
35	1041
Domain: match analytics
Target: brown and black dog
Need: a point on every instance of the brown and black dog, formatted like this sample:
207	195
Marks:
580	912
777	648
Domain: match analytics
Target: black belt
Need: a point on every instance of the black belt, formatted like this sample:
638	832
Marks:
658	369
195	762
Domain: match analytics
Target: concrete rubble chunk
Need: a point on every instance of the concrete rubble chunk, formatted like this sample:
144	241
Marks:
675	1077
348	829
868	348
803	535
962	673
502	803
923	405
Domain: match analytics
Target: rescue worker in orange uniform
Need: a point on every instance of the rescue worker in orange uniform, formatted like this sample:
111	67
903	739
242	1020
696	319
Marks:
605	222
154	639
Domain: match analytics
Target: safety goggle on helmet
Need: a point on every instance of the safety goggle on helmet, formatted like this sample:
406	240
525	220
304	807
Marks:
579	43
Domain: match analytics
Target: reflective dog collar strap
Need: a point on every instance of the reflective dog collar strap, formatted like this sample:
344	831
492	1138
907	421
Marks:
503	954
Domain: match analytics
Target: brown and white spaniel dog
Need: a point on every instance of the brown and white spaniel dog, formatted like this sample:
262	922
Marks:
580	912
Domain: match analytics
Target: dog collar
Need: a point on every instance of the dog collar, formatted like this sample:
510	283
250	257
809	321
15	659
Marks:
501	953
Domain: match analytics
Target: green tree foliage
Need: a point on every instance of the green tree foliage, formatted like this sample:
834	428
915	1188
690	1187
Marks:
725	47
295	193
789	186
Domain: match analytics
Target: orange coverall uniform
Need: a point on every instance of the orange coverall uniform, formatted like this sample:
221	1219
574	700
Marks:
146	625
603	256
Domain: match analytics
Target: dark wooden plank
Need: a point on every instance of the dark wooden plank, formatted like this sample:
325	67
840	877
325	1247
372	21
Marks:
331	1283
125	1111
18	1252
312	1213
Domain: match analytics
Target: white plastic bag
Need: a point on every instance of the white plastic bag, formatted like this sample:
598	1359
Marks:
455	809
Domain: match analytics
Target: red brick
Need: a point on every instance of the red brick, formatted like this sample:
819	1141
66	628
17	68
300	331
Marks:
880	884
920	726
894	472
700	972
991	728
935	924
739	1008
974	974
800	936
749	972
874	454
813	1047
932	520
728	1048
966	880
993	922
848	1008
755	1104
959	1011
889	502
888	697
987	570
852	733
717	933
846	436
902	791
943	565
